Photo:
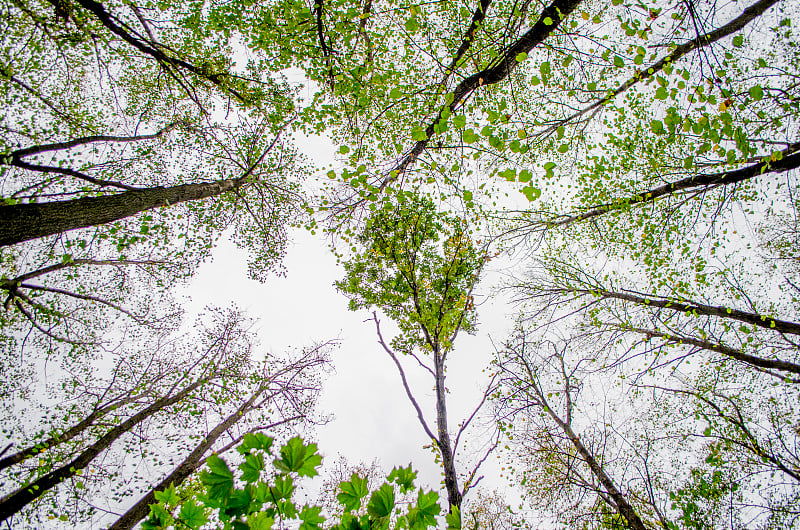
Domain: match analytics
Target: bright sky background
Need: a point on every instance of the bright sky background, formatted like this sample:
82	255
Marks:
372	415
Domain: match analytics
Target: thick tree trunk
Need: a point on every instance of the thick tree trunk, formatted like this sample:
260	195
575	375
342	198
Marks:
141	509
14	502
22	222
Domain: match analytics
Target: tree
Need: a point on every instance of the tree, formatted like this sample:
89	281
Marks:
166	399
419	267
119	167
542	388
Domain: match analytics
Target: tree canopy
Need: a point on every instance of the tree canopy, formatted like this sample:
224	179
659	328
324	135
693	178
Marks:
633	162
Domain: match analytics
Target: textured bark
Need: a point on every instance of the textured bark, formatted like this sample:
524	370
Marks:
454	495
556	12
194	460
22	222
747	16
16	501
622	505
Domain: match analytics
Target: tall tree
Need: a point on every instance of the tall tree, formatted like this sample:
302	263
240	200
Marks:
420	267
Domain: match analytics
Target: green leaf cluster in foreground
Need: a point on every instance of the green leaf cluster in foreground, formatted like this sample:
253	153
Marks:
258	497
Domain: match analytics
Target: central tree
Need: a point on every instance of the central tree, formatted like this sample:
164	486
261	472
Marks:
419	267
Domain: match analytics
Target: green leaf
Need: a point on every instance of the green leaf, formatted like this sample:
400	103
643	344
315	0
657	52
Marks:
756	92
521	57
412	25
418	134
544	68
218	479
657	126
311	518
403	477
738	41
169	496
460	121
470	136
467	195
283	488
343	150
352	492
525	176
618	62
453	519
260	521
548	21
395	93
428	505
251	467
298	457
381	503
192	515
531	193
261	441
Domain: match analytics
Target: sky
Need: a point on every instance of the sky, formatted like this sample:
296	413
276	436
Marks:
372	416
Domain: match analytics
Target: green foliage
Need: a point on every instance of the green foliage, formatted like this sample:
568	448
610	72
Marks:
257	500
419	266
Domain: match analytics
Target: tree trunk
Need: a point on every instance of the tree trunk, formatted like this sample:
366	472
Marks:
22	222
623	507
788	162
65	436
445	447
14	502
696	309
141	509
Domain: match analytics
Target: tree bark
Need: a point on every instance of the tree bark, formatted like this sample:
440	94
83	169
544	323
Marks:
22	222
14	502
694	308
622	505
141	509
792	161
454	496
65	436
760	362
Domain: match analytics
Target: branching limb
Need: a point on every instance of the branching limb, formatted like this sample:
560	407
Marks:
411	398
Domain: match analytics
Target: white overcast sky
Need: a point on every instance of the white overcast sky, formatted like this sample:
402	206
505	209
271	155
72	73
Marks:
372	415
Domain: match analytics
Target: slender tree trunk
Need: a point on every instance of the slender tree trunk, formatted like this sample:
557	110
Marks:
760	362
14	502
788	162
445	447
141	509
22	222
622	505
65	436
694	308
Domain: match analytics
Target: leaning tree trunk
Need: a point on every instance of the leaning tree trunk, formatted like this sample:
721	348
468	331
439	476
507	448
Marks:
14	502
65	436
22	222
190	464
